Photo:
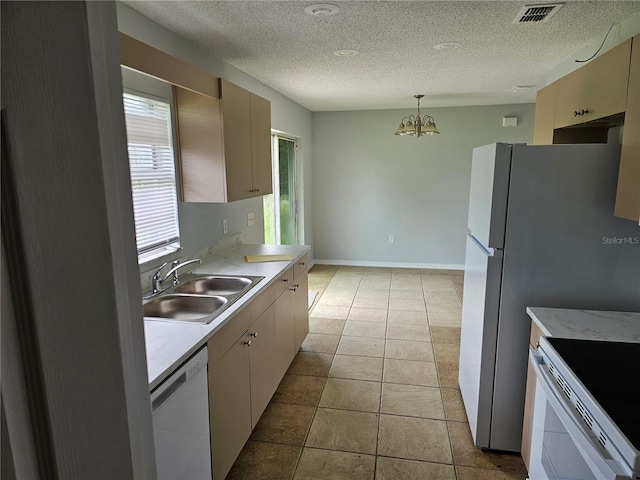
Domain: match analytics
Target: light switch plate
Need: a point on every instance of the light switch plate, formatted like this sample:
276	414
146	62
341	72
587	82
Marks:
251	219
225	227
392	239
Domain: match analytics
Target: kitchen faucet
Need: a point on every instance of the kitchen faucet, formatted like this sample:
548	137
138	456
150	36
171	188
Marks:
157	279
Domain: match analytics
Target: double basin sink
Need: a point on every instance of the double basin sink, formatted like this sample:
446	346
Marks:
198	298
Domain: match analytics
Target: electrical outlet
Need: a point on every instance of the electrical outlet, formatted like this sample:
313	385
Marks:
225	227
392	239
251	219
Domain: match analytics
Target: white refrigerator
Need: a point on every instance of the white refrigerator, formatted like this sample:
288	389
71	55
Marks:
541	233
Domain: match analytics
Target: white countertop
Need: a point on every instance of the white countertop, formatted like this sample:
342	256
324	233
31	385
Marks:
587	324
169	344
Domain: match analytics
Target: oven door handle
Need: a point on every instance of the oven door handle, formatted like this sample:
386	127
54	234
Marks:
608	468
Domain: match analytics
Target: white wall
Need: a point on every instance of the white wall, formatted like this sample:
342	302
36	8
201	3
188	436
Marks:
369	183
201	224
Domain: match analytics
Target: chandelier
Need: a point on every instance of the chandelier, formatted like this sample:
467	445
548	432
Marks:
417	126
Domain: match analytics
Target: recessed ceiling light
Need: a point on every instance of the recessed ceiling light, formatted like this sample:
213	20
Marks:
346	53
447	46
321	9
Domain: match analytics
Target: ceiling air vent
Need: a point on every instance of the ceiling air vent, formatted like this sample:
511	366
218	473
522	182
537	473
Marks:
539	13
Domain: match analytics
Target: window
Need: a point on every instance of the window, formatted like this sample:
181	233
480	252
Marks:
153	176
280	226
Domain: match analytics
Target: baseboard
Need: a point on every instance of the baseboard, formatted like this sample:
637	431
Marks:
352	263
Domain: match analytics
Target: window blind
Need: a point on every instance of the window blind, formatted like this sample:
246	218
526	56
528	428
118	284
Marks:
153	178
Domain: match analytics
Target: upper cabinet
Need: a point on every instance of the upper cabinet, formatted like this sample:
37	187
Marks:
628	193
545	115
225	144
224	131
144	58
202	166
581	107
246	126
595	91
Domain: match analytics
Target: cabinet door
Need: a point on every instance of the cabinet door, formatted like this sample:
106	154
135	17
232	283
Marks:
301	309
200	139
570	98
545	111
607	79
261	145
264	363
598	88
285	327
235	103
230	407
628	193
527	423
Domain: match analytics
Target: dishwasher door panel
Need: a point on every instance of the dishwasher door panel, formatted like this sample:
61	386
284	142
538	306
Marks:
181	422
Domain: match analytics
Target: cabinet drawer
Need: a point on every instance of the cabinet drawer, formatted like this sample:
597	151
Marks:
224	339
283	281
300	266
262	302
227	336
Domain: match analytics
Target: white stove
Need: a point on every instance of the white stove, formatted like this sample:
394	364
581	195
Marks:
586	421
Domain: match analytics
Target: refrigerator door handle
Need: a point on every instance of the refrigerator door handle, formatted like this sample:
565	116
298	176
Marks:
487	250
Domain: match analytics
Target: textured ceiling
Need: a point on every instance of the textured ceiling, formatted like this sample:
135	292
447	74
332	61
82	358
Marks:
290	51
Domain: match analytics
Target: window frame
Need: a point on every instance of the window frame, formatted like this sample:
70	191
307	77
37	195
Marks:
169	248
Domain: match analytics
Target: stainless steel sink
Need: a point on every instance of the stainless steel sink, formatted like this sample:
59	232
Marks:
214	285
190	308
197	298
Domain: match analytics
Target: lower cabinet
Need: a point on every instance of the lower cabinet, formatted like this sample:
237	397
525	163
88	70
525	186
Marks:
301	309
264	366
245	372
284	347
229	407
527	424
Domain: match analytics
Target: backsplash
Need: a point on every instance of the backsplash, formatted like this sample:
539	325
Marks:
205	254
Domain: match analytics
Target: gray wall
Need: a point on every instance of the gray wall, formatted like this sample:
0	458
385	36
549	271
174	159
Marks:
76	340
201	224
370	183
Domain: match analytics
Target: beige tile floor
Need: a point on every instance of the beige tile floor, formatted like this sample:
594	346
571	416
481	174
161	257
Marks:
373	392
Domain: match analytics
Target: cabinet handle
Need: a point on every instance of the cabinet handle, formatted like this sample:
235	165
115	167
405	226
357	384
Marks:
257	190
301	263
247	343
285	280
253	334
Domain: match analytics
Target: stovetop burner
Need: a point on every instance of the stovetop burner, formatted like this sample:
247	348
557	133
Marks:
611	373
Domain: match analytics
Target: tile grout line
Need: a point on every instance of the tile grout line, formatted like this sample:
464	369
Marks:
326	377
315	411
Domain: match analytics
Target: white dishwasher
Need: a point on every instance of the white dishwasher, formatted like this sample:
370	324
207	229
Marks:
180	409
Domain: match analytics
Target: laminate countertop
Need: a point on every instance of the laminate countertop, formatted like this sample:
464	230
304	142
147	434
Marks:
587	324
170	343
